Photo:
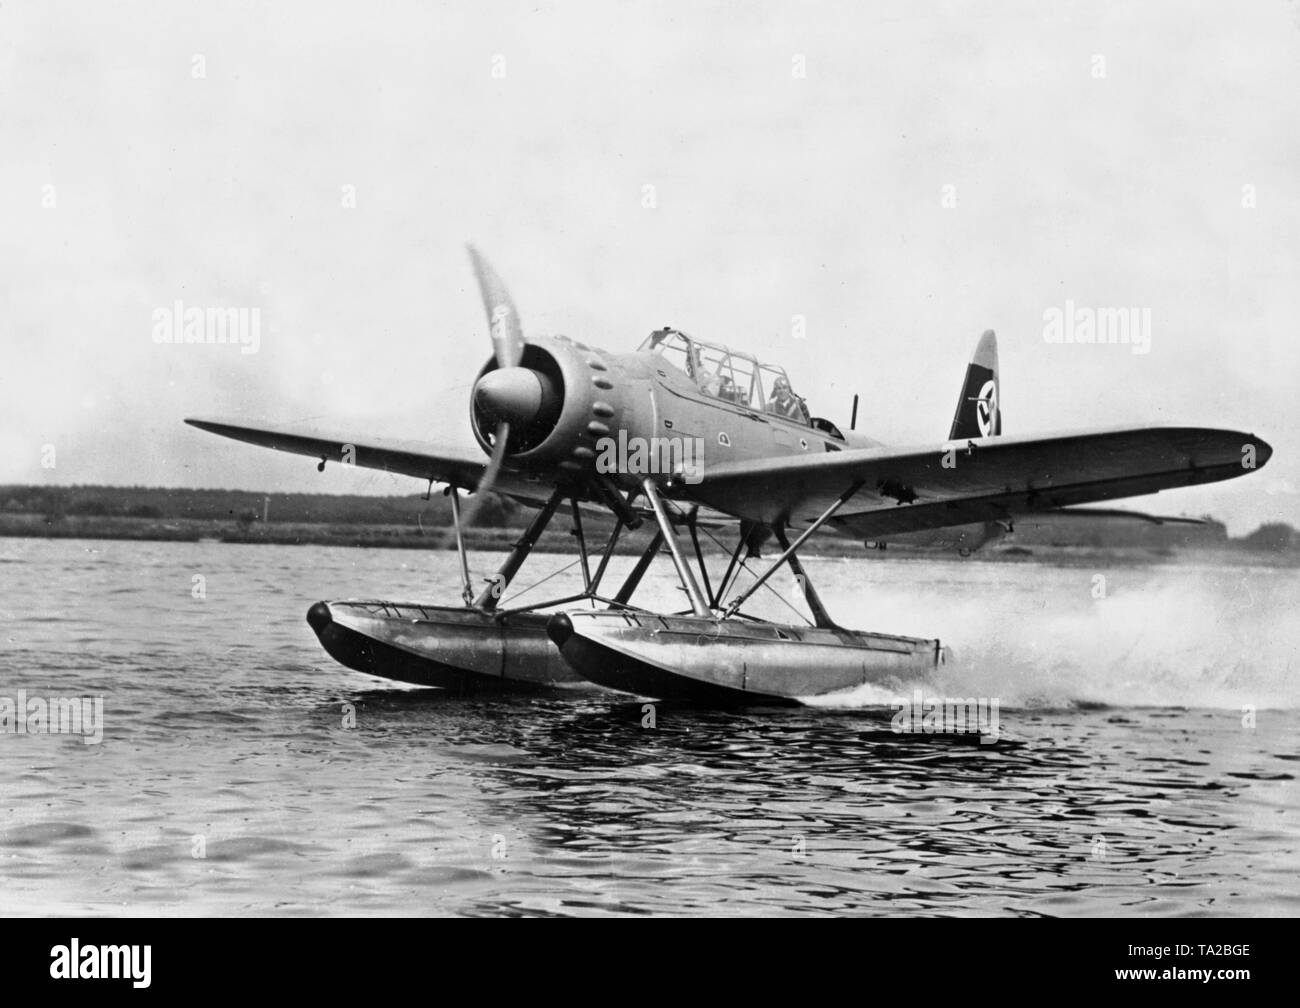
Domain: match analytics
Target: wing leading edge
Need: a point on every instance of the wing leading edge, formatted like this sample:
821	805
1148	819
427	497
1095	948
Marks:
410	458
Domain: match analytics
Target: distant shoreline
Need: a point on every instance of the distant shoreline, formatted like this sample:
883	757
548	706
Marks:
272	533
559	541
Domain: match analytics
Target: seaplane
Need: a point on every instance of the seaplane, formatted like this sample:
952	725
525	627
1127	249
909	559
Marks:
682	436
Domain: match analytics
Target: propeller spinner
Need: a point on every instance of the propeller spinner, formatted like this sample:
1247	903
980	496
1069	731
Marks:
510	394
516	395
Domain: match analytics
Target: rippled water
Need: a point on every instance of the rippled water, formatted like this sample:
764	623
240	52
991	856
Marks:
1125	781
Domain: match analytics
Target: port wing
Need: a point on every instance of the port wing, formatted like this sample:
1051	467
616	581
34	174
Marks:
975	480
410	458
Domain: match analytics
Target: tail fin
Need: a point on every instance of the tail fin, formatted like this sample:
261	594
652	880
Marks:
979	410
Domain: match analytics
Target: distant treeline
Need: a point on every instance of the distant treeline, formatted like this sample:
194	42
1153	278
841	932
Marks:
1072	530
238	514
244	507
1273	537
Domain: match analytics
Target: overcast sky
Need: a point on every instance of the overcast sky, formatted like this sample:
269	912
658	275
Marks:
801	157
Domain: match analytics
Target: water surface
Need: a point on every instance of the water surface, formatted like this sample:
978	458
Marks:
1147	760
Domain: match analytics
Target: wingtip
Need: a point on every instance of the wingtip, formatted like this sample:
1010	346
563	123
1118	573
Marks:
1263	450
213	426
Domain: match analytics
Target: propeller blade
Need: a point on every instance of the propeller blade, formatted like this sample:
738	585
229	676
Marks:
503	317
489	479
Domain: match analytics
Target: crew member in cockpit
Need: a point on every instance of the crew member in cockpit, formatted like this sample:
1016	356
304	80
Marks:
707	379
783	401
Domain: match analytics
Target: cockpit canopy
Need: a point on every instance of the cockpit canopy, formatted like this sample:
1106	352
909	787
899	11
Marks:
729	375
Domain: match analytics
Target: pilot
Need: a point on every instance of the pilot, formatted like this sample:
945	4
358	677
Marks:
708	380
783	401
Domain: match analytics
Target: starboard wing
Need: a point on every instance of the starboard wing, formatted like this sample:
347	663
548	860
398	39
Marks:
982	479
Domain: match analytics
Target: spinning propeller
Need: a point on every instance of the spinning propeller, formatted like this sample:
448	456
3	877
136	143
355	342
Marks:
510	394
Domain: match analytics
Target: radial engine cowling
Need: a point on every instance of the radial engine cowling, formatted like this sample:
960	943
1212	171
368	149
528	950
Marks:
550	400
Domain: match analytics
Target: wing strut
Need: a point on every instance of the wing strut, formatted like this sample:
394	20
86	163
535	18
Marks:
790	552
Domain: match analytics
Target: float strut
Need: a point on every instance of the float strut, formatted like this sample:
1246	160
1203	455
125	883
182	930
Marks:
790	550
604	560
710	598
726	578
466	592
698	605
820	616
638	572
498	583
582	546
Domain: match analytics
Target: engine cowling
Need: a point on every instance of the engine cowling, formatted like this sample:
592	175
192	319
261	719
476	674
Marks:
560	400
